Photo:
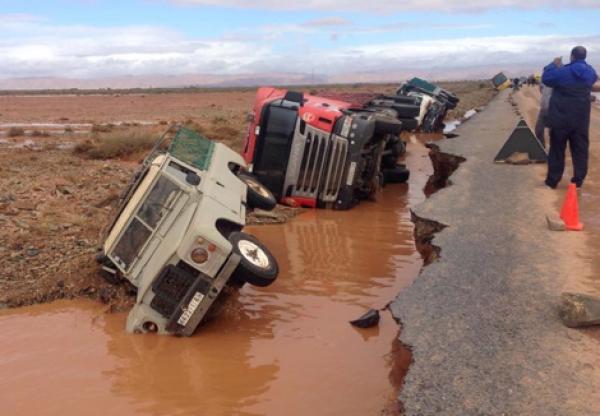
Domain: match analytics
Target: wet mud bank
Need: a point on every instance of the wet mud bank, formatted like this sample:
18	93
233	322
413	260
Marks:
444	165
424	234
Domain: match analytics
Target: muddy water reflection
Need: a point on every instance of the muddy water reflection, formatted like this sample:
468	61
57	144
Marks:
287	349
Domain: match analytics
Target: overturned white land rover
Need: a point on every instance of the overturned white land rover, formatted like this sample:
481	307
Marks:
177	236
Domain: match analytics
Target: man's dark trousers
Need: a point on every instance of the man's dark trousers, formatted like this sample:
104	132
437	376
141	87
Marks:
579	144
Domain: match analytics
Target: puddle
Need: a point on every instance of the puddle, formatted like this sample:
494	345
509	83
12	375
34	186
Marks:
287	349
36	145
67	128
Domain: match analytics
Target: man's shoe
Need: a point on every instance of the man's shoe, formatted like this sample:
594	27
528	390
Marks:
549	184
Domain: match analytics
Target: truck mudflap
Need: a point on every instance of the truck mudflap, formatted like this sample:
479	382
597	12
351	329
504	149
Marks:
189	311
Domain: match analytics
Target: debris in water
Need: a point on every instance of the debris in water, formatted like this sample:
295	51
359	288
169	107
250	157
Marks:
368	320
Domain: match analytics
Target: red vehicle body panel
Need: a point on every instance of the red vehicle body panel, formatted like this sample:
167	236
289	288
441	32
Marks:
318	112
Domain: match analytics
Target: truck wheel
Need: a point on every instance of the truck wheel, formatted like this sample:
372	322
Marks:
399	174
389	161
388	126
257	265
398	148
259	195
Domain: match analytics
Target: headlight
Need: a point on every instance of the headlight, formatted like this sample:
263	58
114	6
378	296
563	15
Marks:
199	255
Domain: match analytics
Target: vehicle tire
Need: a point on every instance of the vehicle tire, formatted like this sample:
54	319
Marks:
257	265
407	110
398	148
386	125
398	174
409	124
389	161
259	195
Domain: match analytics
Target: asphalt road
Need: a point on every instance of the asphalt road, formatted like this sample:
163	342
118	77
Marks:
482	320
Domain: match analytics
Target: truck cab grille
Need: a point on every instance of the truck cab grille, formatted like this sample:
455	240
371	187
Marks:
316	164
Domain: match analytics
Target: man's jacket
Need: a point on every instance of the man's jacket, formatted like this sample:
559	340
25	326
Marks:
570	105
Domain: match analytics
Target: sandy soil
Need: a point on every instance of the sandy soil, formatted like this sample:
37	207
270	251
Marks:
586	277
52	207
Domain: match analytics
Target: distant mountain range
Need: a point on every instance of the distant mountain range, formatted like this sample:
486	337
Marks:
251	80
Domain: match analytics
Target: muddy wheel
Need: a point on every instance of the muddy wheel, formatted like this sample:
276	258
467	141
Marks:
386	125
399	174
389	161
259	195
398	148
257	265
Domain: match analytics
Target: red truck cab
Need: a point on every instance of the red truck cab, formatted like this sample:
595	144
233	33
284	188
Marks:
316	151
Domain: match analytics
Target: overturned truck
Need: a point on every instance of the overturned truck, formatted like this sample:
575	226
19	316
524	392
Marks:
320	152
177	235
419	104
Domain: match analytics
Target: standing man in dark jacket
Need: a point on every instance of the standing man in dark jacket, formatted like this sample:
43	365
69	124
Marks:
569	115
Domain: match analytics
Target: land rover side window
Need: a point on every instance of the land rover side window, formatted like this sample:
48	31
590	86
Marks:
131	242
159	202
180	172
155	207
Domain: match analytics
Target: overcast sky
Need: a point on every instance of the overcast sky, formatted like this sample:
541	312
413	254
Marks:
105	38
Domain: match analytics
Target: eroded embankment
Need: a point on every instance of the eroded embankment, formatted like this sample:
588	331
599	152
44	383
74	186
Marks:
444	165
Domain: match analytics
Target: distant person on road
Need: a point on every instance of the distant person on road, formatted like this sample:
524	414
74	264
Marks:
569	115
540	125
516	84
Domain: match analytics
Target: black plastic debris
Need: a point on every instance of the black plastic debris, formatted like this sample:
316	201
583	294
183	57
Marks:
451	135
368	320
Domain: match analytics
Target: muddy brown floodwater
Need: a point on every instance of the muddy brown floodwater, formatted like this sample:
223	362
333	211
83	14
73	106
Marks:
287	349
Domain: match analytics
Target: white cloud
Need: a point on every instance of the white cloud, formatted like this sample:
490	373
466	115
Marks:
38	49
82	51
382	6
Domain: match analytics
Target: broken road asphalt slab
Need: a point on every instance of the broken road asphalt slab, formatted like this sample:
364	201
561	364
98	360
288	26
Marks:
482	321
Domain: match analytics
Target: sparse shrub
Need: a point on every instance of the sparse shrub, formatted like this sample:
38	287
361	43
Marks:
51	146
15	132
38	133
68	129
117	144
83	147
219	119
102	128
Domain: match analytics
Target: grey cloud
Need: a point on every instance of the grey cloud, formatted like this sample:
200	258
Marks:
382	6
327	22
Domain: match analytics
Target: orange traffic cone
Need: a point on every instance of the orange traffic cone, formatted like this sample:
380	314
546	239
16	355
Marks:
570	210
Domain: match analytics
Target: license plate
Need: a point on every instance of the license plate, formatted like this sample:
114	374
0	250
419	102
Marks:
190	309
